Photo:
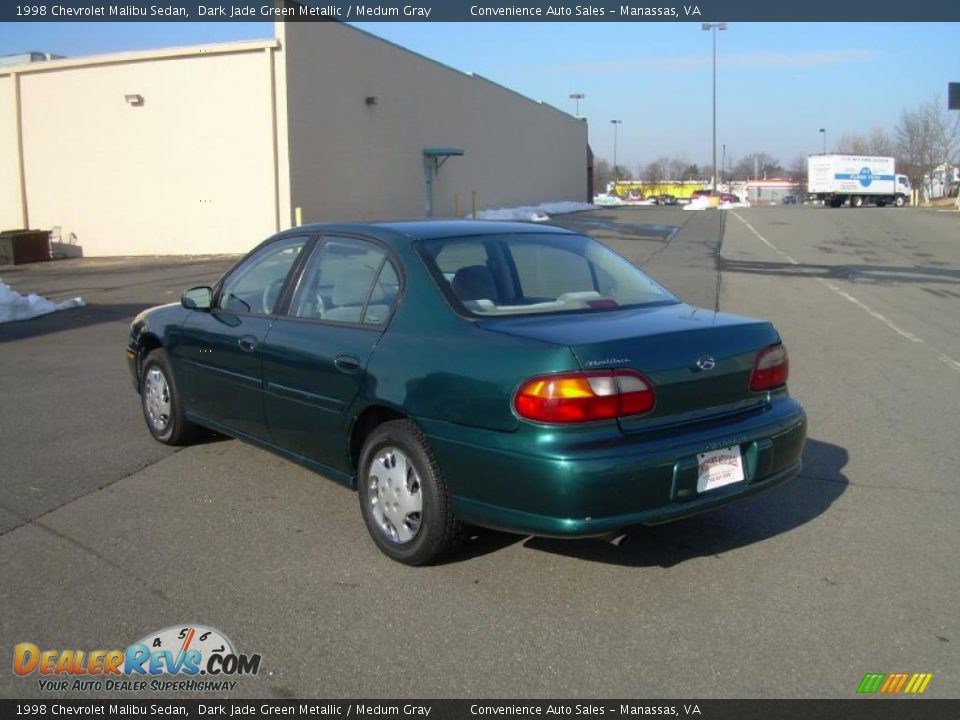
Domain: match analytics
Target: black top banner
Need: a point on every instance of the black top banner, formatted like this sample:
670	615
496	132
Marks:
483	11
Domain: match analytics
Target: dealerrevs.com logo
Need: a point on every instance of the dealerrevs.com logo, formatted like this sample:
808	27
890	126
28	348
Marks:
184	652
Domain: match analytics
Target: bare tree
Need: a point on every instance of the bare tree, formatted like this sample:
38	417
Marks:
852	144
691	172
878	142
602	174
757	162
675	167
655	173
927	137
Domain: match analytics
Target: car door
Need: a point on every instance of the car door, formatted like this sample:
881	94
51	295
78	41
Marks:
315	355
220	350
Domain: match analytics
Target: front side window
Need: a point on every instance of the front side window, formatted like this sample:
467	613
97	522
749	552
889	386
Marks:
347	280
255	286
491	275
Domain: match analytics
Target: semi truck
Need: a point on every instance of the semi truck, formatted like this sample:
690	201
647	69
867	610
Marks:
856	179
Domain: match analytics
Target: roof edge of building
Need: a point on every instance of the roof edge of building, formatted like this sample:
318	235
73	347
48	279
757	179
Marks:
223	48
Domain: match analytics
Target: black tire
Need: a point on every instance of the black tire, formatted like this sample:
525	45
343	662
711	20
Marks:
899	201
438	533
856	201
169	427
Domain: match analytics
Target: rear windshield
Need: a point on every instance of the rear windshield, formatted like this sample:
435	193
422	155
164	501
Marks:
490	275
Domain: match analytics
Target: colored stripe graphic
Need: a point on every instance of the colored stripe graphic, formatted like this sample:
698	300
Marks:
918	683
871	682
894	683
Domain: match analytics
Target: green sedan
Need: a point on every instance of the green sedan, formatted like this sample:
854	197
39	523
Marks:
506	375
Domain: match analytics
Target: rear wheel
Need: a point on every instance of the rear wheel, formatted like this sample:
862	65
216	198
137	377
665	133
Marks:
162	408
403	496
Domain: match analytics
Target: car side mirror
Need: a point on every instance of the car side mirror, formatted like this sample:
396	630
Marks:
198	298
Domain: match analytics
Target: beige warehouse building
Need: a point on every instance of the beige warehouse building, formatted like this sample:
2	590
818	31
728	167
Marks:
211	149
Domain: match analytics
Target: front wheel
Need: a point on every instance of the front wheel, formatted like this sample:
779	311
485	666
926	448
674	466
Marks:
899	202
162	408
856	201
403	496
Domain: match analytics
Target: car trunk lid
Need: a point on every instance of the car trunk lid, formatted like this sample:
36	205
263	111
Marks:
699	361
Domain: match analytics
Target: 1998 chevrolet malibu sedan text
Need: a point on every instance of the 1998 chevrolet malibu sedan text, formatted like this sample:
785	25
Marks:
506	375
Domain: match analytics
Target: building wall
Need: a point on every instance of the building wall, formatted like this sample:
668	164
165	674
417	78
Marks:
190	171
354	161
10	208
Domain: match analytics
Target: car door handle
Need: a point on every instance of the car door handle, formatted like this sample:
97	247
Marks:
347	363
248	343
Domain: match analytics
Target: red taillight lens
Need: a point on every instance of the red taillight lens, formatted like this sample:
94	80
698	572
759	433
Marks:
770	369
583	397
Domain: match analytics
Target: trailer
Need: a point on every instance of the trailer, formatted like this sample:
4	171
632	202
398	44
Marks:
856	180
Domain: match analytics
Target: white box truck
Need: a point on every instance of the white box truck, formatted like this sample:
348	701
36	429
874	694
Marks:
857	179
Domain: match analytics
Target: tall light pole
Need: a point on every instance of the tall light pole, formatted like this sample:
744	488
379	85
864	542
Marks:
616	174
713	27
823	132
723	162
577	97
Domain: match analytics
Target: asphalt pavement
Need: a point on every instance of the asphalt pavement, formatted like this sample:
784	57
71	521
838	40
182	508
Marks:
106	535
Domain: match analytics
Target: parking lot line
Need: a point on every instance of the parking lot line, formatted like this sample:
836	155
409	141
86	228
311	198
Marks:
941	356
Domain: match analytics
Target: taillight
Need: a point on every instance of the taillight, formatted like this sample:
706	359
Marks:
770	369
584	396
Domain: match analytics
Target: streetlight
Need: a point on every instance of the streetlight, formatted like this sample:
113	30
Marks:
723	162
577	97
616	175
823	132
714	27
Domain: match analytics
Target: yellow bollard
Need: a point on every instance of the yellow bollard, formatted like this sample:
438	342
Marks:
473	204
298	215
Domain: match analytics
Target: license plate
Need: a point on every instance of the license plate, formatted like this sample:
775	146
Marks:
718	468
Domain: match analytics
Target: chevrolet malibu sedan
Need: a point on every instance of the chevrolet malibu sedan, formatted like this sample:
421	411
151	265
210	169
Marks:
505	375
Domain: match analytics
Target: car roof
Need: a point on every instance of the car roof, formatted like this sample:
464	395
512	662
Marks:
411	230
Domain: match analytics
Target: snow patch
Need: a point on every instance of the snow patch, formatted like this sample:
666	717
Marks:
14	306
703	203
534	213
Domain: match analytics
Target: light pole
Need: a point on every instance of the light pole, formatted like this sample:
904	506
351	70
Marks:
713	27
723	162
616	174
823	133
577	97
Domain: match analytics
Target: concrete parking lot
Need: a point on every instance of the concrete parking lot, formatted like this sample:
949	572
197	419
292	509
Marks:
106	535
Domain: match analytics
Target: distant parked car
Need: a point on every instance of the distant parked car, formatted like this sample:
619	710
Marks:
667	199
507	375
789	200
729	198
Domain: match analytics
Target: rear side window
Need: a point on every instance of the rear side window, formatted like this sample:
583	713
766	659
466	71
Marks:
492	275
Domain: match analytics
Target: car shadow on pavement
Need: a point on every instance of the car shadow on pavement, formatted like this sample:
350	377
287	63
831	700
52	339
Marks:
773	513
70	319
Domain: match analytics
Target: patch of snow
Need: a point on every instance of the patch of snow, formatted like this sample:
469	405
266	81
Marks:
535	213
605	200
703	203
14	306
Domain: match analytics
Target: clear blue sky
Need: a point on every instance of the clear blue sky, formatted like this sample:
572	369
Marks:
777	84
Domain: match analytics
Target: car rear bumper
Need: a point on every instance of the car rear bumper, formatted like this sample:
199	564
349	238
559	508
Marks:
601	486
